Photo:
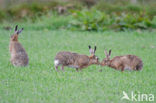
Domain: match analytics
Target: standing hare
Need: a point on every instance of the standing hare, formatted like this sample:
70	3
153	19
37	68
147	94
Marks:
19	56
126	62
75	60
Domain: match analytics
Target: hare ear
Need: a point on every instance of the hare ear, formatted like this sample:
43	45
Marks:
106	53
16	27
89	47
94	49
110	52
19	31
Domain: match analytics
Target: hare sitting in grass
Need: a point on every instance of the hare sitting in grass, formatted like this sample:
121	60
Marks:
126	62
75	60
19	56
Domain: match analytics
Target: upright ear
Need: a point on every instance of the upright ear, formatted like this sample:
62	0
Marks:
16	28
106	53
94	49
110	52
19	31
89	47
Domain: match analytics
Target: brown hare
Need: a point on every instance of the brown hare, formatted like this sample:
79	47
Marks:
19	56
126	62
75	60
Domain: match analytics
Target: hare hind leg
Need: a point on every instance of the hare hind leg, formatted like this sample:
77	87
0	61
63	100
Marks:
56	68
62	67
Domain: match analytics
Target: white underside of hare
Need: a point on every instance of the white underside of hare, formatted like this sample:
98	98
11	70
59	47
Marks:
73	66
127	68
57	63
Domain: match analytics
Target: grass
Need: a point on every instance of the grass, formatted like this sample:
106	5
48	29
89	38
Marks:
40	83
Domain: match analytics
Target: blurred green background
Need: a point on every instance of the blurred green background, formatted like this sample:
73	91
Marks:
96	15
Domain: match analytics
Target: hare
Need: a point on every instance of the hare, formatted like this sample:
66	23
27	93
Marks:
75	60
19	56
126	62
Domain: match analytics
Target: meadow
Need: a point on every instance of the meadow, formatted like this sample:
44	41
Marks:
40	83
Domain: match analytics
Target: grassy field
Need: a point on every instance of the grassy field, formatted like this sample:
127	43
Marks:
40	83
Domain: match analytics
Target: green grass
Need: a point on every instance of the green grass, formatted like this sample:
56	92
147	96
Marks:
40	83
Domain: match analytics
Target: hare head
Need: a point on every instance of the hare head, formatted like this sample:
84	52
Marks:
106	61
93	59
14	37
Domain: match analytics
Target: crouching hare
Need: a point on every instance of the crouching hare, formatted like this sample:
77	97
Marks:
126	62
75	60
19	56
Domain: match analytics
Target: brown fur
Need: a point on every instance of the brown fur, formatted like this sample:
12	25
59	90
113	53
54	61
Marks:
75	60
19	56
122	63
